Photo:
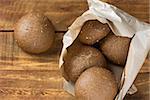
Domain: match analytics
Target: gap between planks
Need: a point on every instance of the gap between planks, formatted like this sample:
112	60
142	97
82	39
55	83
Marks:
13	31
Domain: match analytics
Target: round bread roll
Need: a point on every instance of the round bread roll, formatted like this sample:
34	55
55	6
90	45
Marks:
77	61
71	51
74	48
96	83
34	33
93	31
116	48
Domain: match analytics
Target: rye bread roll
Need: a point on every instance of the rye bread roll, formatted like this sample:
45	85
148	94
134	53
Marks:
115	48
96	83
79	59
34	33
93	31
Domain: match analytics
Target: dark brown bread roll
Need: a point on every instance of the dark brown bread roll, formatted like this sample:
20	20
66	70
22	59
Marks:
34	33
96	83
77	61
93	31
116	48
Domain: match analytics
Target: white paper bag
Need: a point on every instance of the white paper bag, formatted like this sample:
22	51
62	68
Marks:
122	24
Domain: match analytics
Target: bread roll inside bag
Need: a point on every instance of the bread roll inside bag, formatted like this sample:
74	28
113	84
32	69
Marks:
122	24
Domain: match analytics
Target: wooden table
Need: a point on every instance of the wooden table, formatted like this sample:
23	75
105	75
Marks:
37	77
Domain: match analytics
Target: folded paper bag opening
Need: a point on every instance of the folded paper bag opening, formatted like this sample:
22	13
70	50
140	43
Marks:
121	24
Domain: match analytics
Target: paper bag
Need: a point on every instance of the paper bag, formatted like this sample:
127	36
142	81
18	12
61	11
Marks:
122	24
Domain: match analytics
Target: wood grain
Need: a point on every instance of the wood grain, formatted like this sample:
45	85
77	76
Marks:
34	92
30	94
63	12
35	79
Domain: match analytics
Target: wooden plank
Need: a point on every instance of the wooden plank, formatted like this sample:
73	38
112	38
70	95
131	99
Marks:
36	75
13	58
39	93
31	79
29	94
63	12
